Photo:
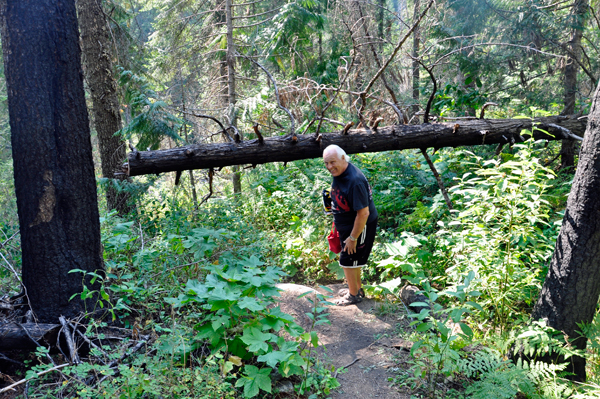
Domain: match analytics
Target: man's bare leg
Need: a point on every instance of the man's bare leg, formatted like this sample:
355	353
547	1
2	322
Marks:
353	278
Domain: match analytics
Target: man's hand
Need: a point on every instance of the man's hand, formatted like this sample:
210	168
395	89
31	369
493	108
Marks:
350	246
359	224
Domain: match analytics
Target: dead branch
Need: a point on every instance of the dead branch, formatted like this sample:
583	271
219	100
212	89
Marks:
438	178
398	47
348	70
433	91
482	114
260	137
292	121
24	380
70	341
211	173
383	78
212	118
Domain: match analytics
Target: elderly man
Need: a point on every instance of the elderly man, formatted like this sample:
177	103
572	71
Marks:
355	219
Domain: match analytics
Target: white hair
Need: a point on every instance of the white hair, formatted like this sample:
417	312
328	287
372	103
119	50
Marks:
338	150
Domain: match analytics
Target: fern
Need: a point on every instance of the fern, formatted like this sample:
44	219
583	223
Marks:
484	361
538	339
499	378
502	384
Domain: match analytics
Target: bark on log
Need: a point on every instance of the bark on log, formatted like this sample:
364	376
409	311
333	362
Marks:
15	336
397	137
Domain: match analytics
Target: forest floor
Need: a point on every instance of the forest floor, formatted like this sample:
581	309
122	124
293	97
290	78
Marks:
364	338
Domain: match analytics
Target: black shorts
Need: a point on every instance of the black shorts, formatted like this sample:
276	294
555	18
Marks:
364	245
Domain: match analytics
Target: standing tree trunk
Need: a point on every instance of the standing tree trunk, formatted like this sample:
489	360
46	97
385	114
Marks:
415	53
231	95
95	40
570	292
185	133
567	151
52	154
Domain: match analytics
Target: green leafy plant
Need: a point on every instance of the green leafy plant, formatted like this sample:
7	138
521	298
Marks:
235	317
502	231
443	331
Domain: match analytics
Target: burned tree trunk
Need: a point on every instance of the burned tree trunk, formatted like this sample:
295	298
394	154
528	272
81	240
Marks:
27	336
570	293
103	90
398	137
52	154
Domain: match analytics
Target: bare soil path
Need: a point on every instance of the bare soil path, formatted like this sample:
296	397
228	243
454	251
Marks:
364	337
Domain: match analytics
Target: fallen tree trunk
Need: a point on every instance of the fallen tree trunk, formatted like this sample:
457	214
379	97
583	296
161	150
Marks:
398	137
15	336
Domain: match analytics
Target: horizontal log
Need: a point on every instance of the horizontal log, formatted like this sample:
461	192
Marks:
397	137
15	336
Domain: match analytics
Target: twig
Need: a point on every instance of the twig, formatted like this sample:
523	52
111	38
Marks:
141	343
8	359
90	343
212	118
11	268
385	83
8	239
211	173
24	380
398	47
261	139
293	126
550	162
333	121
347	127
566	132
34	341
432	96
438	178
345	367
70	342
337	92
482	114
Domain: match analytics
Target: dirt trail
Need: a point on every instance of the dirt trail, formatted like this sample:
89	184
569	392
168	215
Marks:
355	332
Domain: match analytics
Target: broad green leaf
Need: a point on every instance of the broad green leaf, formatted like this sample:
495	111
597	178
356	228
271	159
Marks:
256	339
273	358
251	304
254	380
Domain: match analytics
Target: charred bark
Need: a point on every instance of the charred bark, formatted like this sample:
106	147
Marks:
95	40
398	137
570	293
52	154
27	336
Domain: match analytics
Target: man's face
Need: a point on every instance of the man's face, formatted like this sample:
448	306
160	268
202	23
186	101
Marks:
334	165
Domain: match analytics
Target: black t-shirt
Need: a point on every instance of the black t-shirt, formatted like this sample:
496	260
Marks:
351	192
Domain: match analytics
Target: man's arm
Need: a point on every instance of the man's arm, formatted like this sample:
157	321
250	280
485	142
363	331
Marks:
362	215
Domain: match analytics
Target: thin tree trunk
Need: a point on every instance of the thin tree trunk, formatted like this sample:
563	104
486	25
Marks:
185	133
52	155
95	40
231	94
381	24
415	54
567	151
570	293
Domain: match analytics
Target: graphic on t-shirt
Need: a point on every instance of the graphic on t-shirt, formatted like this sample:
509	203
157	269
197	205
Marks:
339	201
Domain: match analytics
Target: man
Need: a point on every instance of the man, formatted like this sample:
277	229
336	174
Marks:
355	219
